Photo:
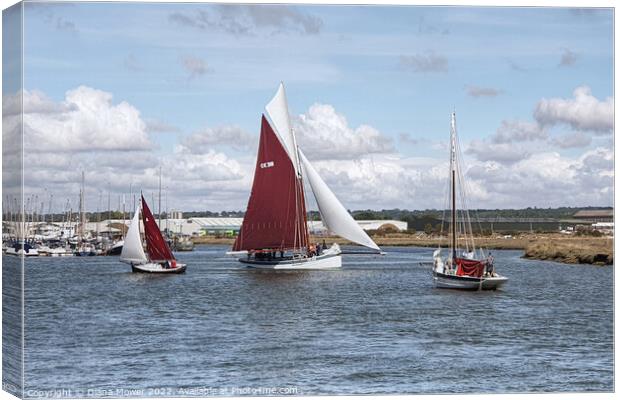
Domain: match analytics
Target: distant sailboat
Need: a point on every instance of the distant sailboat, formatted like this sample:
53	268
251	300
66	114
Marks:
467	268
160	259
274	233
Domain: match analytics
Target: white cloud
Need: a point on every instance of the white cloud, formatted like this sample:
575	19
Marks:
503	153
384	181
572	140
229	136
323	133
583	112
518	131
406	139
360	164
34	102
88	132
549	179
159	126
86	120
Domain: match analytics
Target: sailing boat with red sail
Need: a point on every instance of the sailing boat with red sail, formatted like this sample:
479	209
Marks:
160	258
465	266
274	234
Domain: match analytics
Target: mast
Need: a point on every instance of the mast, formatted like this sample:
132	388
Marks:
50	208
109	207
124	222
98	213
156	246
300	200
273	216
166	205
453	180
82	212
159	206
277	110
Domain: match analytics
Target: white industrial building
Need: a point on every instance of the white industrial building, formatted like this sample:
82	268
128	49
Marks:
317	227
213	225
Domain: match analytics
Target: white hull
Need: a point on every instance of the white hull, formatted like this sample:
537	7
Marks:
156	268
324	261
449	281
21	252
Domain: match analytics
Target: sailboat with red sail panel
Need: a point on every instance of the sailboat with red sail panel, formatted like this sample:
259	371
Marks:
274	233
160	258
465	266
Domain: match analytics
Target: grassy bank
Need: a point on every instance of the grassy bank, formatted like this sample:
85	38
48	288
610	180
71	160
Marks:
553	247
582	251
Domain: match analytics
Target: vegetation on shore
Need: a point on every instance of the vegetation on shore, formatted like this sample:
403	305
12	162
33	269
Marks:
598	251
554	247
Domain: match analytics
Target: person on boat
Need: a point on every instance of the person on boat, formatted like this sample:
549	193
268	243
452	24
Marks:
489	267
448	266
318	249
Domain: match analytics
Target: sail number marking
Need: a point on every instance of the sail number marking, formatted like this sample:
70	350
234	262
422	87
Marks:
267	164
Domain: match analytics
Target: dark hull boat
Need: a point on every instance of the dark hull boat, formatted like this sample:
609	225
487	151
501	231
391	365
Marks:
116	249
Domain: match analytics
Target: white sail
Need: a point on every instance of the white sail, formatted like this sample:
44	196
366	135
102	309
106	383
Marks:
277	111
335	217
132	252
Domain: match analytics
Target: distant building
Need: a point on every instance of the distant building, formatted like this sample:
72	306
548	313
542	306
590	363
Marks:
604	227
229	226
176	215
594	216
317	227
217	225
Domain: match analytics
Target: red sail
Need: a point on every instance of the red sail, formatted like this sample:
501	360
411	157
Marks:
470	267
276	215
156	245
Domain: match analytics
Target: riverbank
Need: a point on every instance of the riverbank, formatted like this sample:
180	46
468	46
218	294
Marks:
553	247
598	251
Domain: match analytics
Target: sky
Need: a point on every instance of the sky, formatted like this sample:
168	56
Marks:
120	90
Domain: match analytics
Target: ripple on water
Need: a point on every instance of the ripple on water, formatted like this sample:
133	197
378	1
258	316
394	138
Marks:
375	326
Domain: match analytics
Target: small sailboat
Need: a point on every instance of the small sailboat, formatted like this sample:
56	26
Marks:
274	233
160	259
465	266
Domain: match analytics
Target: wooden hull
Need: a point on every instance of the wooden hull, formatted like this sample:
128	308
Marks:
155	268
324	261
449	281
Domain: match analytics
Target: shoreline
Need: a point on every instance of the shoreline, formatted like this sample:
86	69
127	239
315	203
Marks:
544	247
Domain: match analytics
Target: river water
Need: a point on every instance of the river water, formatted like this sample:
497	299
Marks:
376	326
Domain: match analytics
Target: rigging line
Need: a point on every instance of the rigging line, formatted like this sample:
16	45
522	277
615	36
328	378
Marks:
466	217
445	207
466	190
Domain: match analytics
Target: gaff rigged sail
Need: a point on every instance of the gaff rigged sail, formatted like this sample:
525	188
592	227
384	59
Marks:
156	245
275	217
